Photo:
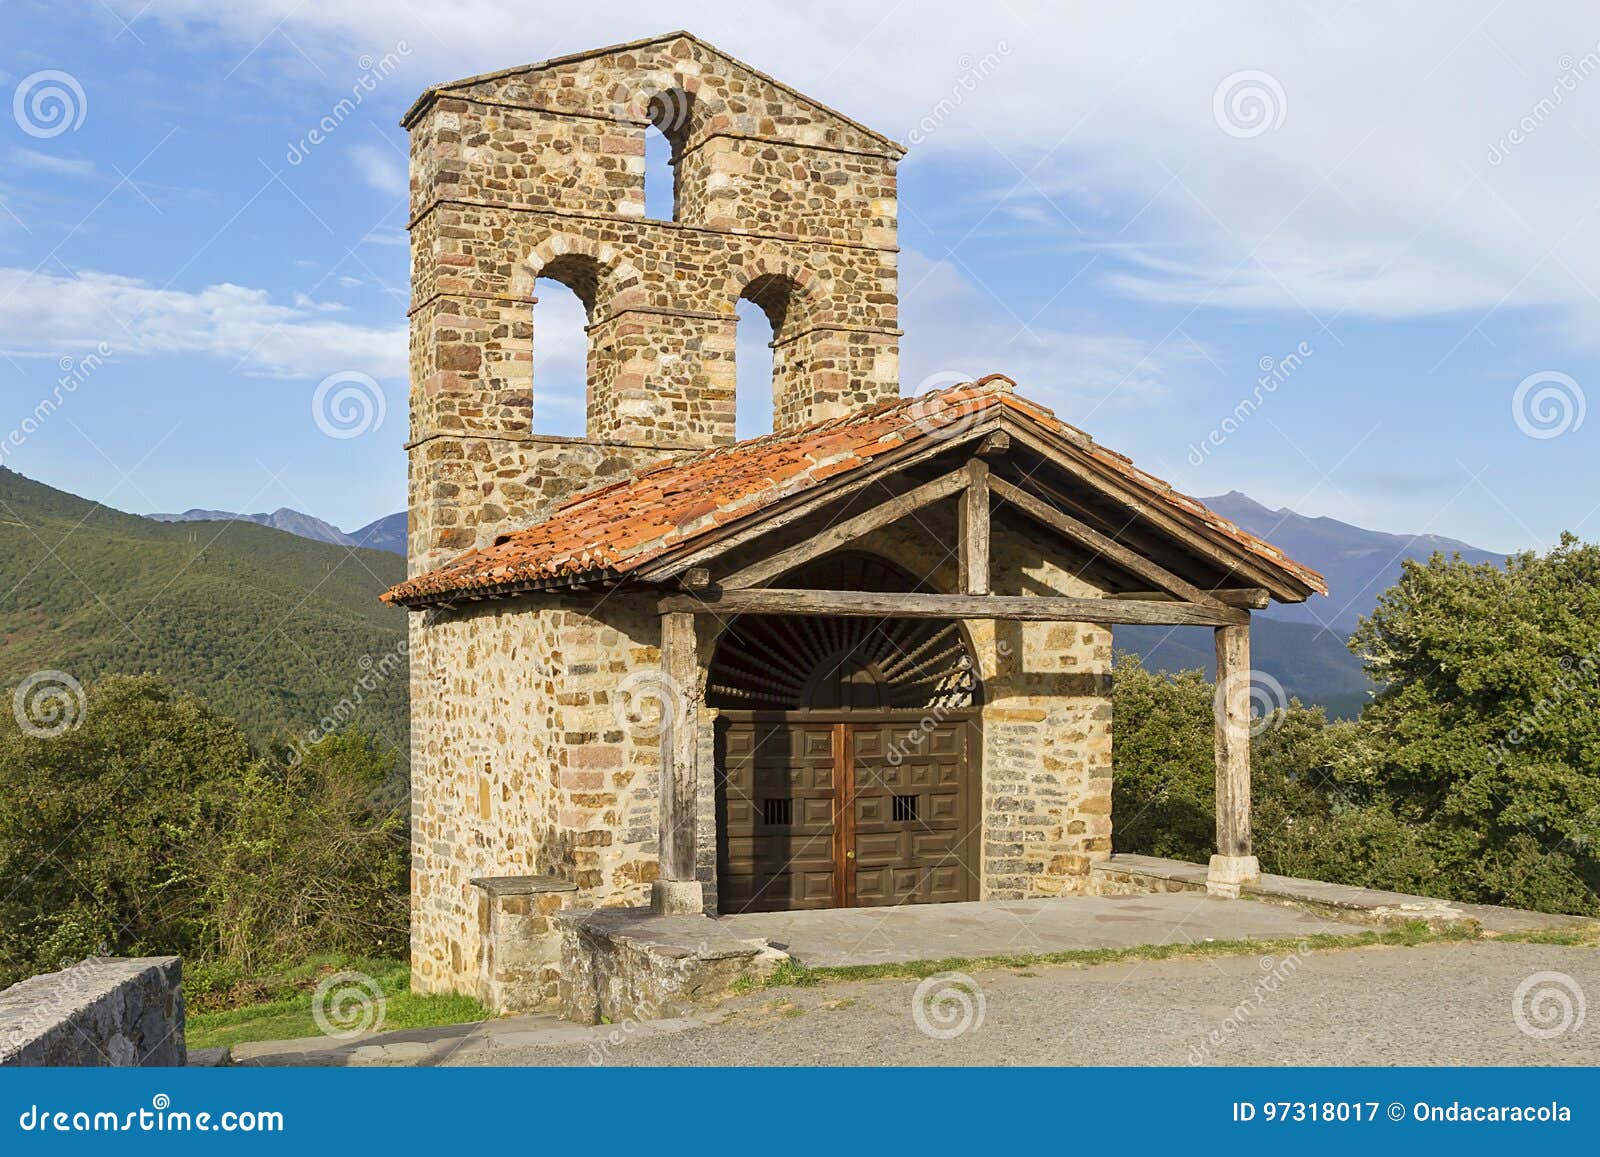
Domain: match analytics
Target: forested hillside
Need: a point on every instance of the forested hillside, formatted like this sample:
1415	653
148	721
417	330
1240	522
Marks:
278	631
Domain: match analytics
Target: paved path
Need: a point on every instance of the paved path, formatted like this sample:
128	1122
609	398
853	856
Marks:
836	936
1441	1004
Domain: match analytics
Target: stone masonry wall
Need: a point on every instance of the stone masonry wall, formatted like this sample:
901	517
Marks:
535	752
101	1011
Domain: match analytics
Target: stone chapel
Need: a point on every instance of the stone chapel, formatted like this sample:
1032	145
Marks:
863	659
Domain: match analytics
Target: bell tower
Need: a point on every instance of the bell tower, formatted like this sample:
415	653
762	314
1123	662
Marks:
539	173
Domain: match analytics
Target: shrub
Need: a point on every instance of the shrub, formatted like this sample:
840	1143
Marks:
151	828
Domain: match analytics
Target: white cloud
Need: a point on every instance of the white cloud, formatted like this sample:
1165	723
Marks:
46	315
1389	188
953	327
52	164
382	168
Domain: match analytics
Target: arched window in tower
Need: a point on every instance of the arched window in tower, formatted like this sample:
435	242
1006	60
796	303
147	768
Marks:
669	113
763	311
565	291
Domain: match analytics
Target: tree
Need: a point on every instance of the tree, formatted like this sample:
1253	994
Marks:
1486	731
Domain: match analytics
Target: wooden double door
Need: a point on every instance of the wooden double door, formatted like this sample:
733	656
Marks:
855	809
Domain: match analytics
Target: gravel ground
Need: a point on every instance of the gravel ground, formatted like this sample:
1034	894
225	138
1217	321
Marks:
1441	1004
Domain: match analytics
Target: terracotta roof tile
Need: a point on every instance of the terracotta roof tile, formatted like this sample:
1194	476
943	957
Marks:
619	527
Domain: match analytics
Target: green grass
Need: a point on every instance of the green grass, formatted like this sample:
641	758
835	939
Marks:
230	1010
792	975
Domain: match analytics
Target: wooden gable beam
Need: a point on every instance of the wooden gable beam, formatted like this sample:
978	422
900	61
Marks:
1023	608
1248	598
843	533
1233	560
1086	536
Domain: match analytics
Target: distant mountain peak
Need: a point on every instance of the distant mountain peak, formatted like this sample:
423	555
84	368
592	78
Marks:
1359	564
284	519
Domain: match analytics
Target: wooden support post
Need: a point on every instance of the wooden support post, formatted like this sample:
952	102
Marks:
676	891
974	530
1233	864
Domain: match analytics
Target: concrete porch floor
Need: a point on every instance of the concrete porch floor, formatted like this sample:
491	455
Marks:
844	936
1136	900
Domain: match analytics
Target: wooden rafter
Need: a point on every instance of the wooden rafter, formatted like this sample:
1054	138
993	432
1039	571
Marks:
808	502
1086	536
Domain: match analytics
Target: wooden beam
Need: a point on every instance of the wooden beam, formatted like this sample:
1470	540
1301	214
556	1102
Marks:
995	444
1085	535
973	529
1231	713
1045	608
696	578
679	741
1247	598
843	533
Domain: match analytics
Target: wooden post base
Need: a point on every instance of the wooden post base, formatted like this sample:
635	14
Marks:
1226	873
677	898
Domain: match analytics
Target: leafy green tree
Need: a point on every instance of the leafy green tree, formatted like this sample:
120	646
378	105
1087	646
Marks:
1312	813
1486	733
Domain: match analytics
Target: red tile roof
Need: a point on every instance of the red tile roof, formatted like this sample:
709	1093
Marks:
618	528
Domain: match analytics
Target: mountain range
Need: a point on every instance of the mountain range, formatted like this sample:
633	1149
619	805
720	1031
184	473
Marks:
1304	645
386	533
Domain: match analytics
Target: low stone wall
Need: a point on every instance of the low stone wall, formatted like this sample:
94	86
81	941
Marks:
520	949
102	1011
627	964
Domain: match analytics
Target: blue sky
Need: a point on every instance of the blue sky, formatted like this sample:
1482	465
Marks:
1131	214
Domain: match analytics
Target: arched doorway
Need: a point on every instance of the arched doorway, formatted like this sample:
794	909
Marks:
847	755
